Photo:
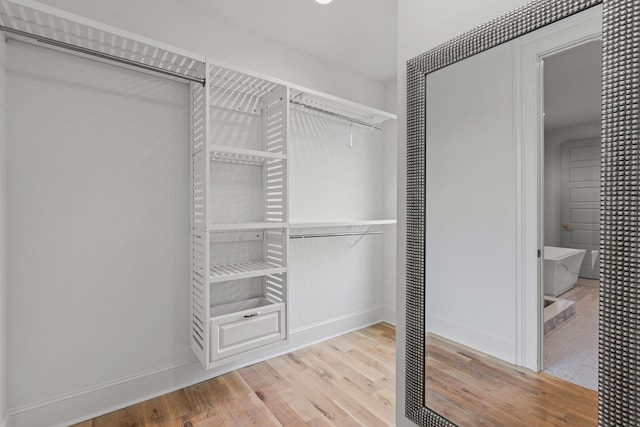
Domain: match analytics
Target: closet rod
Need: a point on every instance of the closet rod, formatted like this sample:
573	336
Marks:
331	113
101	55
355	233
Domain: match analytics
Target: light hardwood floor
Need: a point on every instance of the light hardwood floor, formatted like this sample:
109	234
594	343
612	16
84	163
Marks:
473	389
345	381
350	381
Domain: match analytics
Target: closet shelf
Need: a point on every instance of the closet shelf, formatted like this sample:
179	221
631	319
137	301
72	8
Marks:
244	270
31	21
237	90
221	153
317	102
245	226
300	225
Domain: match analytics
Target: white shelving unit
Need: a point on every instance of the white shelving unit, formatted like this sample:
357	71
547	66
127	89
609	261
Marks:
241	229
239	205
239	124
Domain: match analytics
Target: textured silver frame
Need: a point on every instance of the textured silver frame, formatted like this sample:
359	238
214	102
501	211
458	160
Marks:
619	347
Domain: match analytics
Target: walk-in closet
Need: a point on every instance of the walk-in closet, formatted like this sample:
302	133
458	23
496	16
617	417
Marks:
172	217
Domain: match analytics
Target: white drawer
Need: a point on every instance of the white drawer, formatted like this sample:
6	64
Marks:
261	324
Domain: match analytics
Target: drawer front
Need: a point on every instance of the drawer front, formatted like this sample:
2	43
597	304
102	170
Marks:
239	332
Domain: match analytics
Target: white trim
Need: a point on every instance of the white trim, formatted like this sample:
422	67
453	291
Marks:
107	397
520	301
114	383
480	339
341	324
4	280
570	32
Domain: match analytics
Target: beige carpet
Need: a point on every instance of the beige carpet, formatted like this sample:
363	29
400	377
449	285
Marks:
571	349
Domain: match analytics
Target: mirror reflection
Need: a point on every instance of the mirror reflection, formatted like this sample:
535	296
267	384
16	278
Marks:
571	200
511	340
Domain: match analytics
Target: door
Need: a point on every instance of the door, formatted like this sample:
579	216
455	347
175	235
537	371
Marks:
580	201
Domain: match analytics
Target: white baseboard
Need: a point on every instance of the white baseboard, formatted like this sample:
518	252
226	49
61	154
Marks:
321	331
484	341
77	407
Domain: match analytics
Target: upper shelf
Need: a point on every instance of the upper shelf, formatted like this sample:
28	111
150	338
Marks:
34	21
237	90
230	87
355	223
317	102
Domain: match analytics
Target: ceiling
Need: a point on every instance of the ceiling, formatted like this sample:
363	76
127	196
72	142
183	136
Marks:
572	86
358	34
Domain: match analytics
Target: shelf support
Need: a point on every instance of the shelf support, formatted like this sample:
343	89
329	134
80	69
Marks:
366	233
359	234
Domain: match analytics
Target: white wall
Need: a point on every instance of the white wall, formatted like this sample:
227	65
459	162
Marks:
553	141
98	226
333	277
3	234
471	203
179	24
422	25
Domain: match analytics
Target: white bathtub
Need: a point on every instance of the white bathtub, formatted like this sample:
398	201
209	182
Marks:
561	268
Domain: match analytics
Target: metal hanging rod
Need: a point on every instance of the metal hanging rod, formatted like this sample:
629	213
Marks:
354	233
101	55
331	113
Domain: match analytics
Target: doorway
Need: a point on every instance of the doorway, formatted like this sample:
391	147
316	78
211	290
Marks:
570	212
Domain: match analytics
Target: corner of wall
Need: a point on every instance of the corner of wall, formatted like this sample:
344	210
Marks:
390	201
3	236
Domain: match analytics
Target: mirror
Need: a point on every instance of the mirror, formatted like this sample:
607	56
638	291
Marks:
503	322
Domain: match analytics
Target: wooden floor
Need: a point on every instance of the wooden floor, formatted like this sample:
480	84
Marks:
350	381
346	381
472	389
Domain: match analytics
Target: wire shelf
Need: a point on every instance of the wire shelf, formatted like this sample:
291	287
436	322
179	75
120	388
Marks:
238	91
316	102
244	270
243	156
49	26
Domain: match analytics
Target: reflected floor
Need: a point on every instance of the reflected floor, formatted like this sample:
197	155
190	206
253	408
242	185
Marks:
571	349
471	388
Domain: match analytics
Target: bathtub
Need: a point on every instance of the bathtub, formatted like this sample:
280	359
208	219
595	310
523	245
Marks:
561	268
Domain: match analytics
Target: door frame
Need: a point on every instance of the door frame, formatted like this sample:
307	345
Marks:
529	54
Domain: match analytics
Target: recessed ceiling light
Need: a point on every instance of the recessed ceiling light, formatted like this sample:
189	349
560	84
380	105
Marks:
324	1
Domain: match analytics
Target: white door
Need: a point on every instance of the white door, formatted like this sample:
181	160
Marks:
580	201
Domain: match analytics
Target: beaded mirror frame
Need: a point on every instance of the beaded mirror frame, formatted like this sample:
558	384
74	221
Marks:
619	324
